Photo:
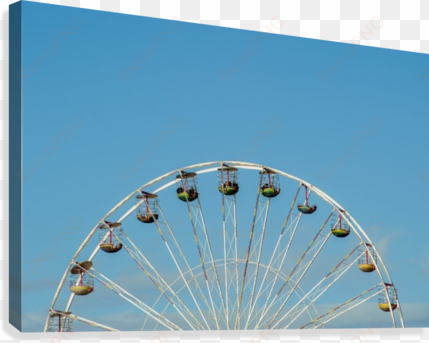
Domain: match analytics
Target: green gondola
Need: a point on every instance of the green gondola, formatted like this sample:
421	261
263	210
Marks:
270	192
183	195
306	209
229	189
337	232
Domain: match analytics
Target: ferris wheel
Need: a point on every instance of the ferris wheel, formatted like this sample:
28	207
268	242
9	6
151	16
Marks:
262	255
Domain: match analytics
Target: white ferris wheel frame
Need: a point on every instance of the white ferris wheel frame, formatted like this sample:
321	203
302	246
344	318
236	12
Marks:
202	169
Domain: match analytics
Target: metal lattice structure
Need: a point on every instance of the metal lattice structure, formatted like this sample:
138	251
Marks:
239	284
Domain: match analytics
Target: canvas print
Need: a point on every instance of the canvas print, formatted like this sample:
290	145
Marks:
175	176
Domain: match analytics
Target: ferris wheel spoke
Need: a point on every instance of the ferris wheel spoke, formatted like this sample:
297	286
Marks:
296	290
196	218
281	298
132	299
279	261
228	177
299	270
276	298
307	267
215	273
229	224
92	323
264	218
348	305
178	291
317	291
248	285
159	282
181	257
284	254
208	253
240	297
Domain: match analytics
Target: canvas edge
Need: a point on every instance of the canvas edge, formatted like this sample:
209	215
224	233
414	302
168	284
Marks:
15	161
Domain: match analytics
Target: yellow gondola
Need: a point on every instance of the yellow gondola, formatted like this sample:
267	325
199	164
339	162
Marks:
389	296
386	308
367	267
368	259
82	283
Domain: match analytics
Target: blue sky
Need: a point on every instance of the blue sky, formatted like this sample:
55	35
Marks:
119	100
